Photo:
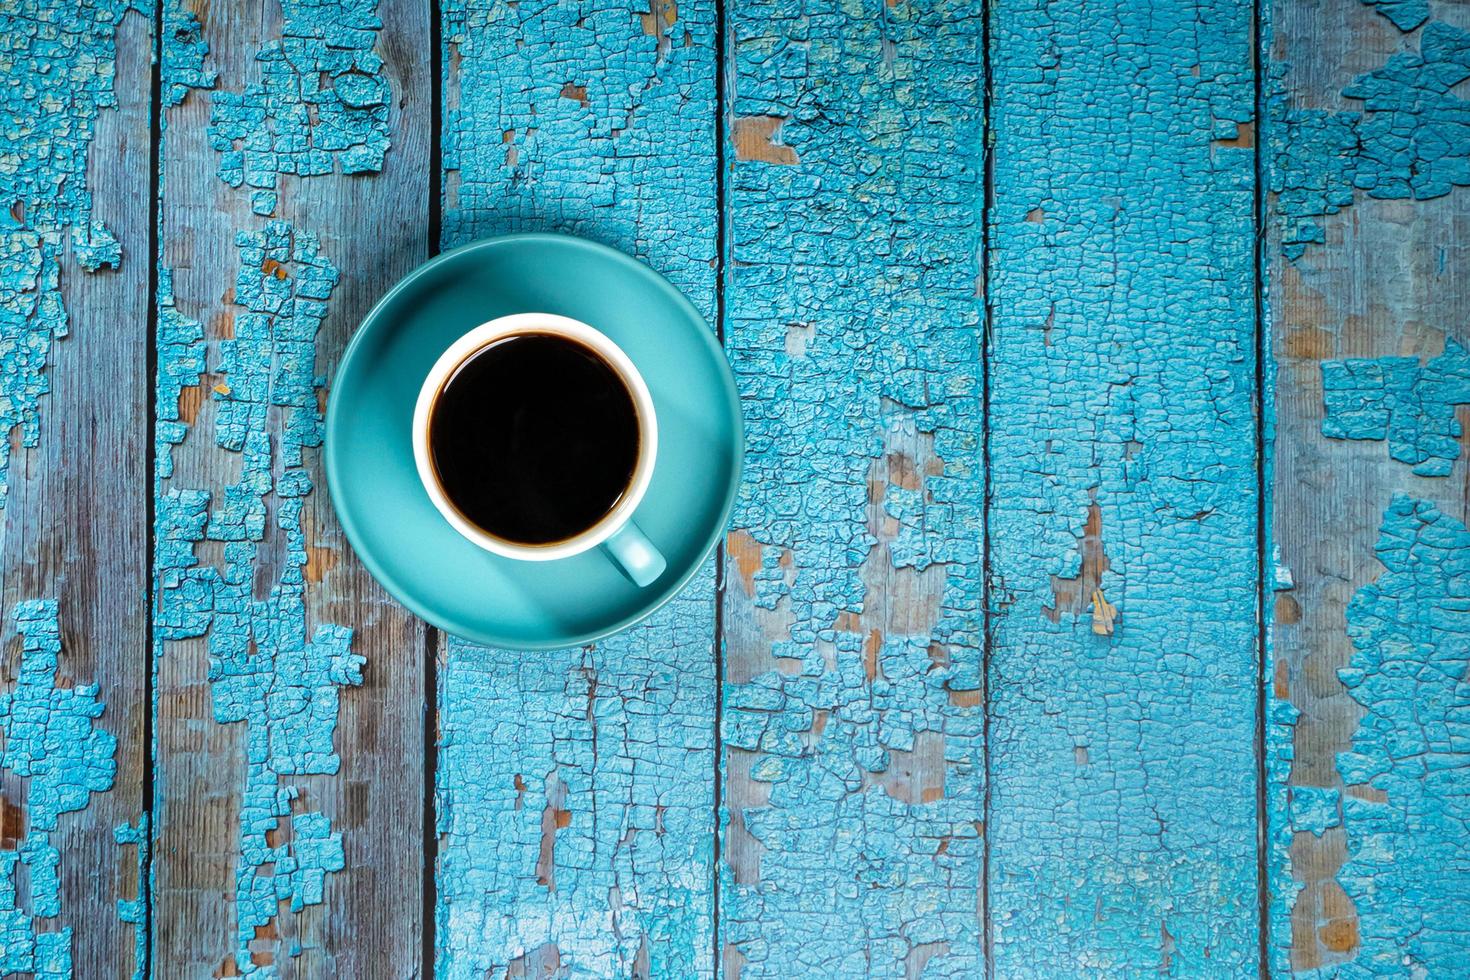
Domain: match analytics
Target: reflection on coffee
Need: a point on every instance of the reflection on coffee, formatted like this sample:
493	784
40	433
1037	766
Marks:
534	438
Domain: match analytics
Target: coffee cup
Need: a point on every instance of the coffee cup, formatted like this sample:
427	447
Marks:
535	437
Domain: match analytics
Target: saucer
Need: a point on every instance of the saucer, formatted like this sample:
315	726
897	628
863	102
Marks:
411	549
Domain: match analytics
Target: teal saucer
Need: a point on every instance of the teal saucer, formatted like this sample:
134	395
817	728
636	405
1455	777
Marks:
412	550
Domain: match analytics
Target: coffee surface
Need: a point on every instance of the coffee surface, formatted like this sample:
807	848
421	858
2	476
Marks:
534	438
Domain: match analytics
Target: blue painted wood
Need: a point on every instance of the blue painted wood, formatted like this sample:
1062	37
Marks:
576	795
583	794
73	329
1367	154
1123	464
852	764
289	729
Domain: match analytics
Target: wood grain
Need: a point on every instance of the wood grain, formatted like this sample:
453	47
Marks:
852	767
576	800
1123	518
282	222
75	518
847	818
1368	243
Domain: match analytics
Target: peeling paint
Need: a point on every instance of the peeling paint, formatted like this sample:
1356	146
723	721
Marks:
134	911
1328	830
1398	399
1122	375
853	763
1076	590
542	963
1411	139
1410	671
181	366
60	63
575	799
184	54
759	138
50	740
264	668
658	22
1312	151
321	105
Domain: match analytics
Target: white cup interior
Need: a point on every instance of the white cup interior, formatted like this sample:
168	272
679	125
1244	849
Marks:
536	323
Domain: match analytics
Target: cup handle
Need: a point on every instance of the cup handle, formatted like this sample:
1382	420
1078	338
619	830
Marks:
631	551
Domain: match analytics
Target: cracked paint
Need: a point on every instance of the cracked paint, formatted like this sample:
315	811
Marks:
1406	808
580	98
60	64
321	105
601	850
853	760
575	799
49	738
1398	399
1411	139
266	669
184	52
1122	812
181	366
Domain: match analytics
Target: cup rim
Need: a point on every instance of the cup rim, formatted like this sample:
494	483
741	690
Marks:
482	336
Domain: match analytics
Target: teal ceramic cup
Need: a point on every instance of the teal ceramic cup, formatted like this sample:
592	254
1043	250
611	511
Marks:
615	533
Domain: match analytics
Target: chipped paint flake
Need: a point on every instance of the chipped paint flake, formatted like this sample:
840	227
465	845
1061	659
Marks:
853	764
48	738
1106	385
266	668
1409	404
1314	809
1411	139
1410	629
60	63
321	104
1405	14
576	804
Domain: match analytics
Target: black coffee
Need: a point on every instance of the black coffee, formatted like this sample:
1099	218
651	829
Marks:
534	438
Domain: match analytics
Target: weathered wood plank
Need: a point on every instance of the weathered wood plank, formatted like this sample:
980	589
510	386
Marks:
576	799
289	688
852	767
1124	511
1368	247
74	266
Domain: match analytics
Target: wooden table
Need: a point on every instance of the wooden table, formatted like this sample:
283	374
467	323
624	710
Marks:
1097	602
